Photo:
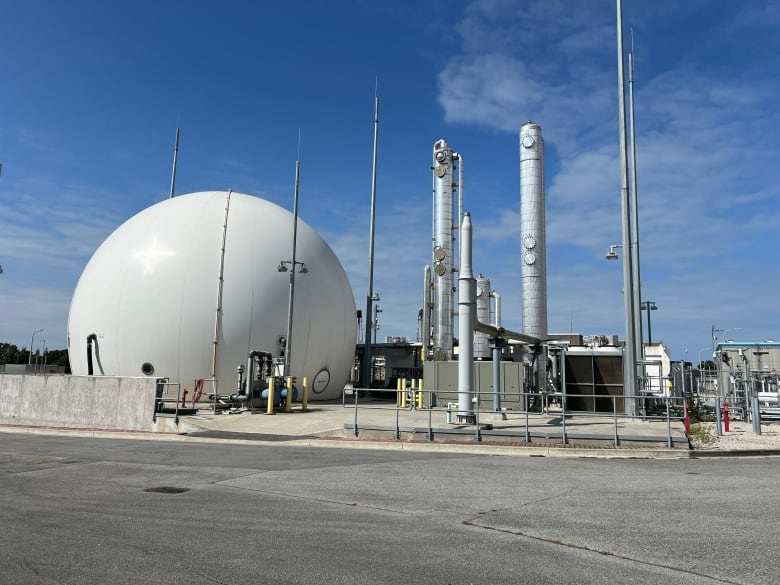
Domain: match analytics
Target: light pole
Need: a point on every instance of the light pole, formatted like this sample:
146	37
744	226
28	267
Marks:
43	352
726	332
294	265
366	365
300	268
649	306
630	243
32	341
713	331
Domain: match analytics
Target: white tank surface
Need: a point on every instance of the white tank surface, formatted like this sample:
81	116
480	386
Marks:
151	292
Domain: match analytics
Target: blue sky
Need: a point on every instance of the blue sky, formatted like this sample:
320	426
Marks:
91	93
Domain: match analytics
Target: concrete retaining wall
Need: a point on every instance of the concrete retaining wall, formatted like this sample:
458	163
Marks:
81	402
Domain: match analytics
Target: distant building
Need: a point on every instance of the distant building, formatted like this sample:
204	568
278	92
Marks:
657	369
745	367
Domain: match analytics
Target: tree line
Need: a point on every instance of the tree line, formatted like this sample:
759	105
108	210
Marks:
11	354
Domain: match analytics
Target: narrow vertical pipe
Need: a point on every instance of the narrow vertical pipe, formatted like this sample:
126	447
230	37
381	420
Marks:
497	356
425	336
629	354
175	158
459	157
293	268
366	376
635	272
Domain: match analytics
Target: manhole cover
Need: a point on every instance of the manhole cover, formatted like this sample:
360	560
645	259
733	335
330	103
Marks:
166	489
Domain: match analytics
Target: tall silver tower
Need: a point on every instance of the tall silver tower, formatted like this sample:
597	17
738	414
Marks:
444	185
532	232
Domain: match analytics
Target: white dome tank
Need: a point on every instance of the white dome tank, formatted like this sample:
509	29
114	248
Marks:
150	294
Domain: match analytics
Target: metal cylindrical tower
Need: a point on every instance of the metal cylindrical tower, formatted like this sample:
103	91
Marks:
466	322
532	232
481	343
443	257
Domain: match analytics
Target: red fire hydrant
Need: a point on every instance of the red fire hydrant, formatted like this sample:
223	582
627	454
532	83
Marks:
687	418
726	417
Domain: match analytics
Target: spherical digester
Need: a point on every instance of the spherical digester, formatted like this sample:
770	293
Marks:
191	285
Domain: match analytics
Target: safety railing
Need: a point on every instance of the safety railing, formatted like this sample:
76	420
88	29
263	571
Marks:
532	416
166	394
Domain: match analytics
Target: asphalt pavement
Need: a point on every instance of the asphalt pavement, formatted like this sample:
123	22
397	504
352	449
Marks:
88	511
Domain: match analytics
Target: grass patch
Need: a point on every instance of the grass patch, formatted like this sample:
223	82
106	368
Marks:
700	434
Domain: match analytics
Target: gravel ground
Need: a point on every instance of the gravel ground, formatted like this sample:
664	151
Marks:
740	437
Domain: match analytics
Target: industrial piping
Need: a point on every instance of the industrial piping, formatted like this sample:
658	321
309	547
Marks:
425	327
481	343
468	324
90	338
266	359
497	355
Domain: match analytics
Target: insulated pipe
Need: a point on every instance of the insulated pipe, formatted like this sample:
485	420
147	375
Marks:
460	187
90	338
481	345
425	333
459	157
466	323
497	356
494	331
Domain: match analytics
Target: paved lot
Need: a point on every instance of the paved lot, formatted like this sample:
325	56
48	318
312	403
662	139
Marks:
77	511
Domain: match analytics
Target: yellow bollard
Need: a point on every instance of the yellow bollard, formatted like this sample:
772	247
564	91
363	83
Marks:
288	402
398	392
271	389
305	397
403	393
420	394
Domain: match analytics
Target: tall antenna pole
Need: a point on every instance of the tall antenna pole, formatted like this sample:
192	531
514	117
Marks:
366	374
629	354
175	158
293	264
636	274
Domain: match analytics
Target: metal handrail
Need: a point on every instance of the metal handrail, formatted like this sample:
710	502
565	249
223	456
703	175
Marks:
672	409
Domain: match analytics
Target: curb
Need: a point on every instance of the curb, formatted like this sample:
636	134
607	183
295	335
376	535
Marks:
735	453
392	445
